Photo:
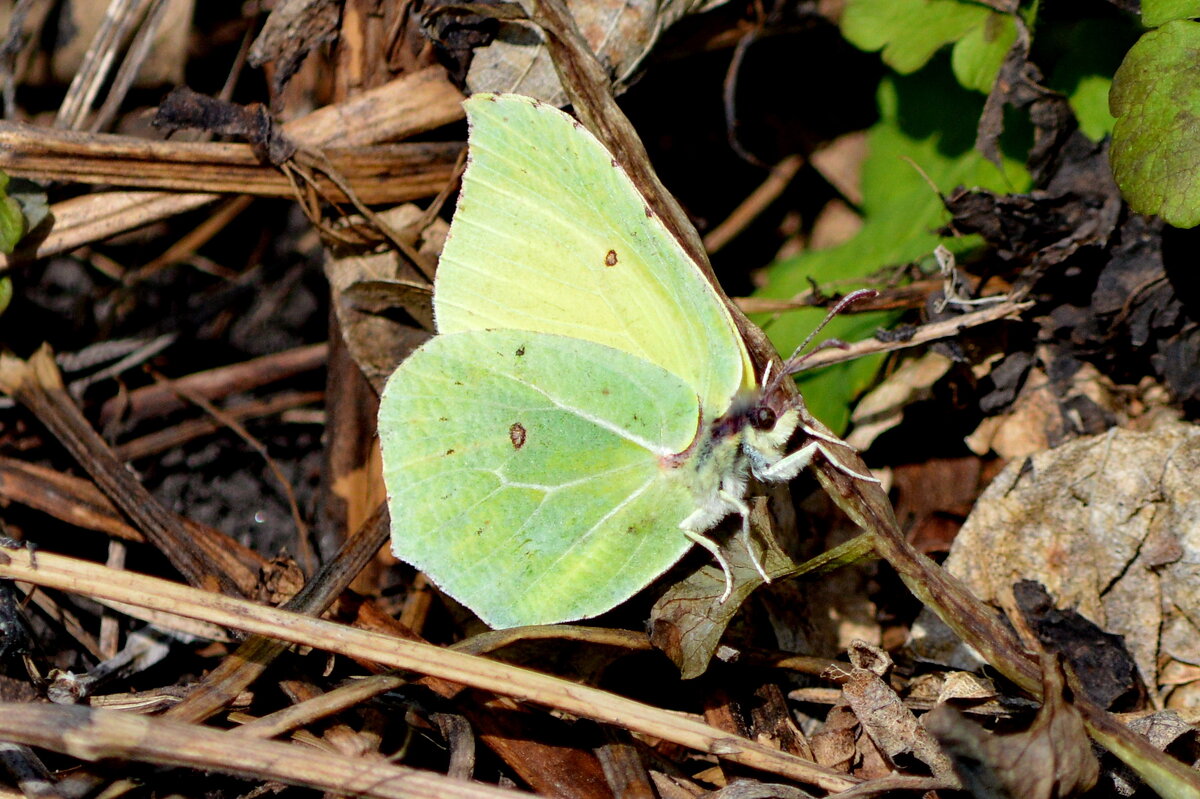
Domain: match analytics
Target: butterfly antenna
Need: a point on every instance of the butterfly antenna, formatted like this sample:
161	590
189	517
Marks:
793	362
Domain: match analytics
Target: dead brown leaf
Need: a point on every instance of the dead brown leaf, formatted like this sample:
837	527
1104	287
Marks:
891	726
370	290
834	745
1051	759
621	34
1109	524
883	407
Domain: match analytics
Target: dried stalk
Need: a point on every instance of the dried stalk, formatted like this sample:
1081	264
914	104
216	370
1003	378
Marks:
384	173
222	685
412	103
89	579
102	734
37	384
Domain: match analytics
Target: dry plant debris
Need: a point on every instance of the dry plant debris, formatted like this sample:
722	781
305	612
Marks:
222	225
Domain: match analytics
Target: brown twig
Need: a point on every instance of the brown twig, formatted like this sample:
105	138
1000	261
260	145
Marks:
413	103
135	56
222	685
194	238
95	217
907	297
71	499
932	331
176	435
37	385
78	502
384	173
780	177
95	735
328	704
159	399
101	52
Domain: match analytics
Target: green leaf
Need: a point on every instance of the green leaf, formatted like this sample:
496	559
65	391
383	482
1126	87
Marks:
909	32
977	57
1156	140
1160	12
12	221
926	121
1089	102
31	197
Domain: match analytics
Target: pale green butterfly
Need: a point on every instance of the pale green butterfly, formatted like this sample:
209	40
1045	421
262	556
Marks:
588	408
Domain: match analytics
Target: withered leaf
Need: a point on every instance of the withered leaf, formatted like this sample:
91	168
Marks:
1103	522
184	109
1051	759
293	30
687	621
890	725
1101	661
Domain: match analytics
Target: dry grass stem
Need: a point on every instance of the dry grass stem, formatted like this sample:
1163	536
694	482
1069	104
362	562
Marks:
89	579
94	735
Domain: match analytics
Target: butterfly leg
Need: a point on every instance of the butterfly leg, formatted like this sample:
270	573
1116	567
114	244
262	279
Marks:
712	547
739	506
841	467
791	465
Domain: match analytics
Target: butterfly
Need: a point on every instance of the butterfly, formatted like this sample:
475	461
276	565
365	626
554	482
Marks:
588	409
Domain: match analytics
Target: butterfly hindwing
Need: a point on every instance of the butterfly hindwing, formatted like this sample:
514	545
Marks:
526	472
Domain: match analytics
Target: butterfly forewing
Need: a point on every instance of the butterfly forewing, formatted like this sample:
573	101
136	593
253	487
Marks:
528	473
551	235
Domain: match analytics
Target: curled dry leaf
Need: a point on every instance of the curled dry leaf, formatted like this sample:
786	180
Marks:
834	745
1100	660
1051	759
965	685
291	32
883	407
687	621
1110	525
620	33
1046	412
373	293
892	727
966	691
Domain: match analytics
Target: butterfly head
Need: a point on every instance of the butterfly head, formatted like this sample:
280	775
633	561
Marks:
760	422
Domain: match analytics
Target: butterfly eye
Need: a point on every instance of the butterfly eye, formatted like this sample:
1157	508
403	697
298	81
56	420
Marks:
763	418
